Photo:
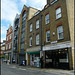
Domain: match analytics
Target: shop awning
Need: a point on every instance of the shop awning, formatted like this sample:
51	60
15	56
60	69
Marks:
35	52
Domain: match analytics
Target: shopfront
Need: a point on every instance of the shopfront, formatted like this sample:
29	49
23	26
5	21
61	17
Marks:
57	59
58	55
34	58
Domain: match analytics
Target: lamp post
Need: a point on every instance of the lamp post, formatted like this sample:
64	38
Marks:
41	37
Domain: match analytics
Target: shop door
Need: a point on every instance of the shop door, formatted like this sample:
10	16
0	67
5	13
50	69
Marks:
55	59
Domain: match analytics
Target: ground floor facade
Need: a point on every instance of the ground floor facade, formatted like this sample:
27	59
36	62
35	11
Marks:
55	55
8	56
34	58
58	55
21	58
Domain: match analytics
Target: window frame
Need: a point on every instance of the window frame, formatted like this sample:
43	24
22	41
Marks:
47	19
30	41
59	13
37	24
47	36
59	32
30	27
37	39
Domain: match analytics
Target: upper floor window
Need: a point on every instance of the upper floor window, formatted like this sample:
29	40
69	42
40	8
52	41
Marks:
37	39
60	32
30	41
58	12
37	24
48	36
31	28
6	46
7	38
10	36
47	18
53	1
9	45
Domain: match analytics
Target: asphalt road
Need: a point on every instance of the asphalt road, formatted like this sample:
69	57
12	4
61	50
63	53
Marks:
12	70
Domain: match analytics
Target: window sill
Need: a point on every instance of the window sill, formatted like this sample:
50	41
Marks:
37	44
58	18
30	46
47	42
47	23
60	39
37	28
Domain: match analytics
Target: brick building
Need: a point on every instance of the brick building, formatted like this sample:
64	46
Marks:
15	38
2	49
26	14
49	35
8	45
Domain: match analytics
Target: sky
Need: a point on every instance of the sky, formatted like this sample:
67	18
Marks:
9	9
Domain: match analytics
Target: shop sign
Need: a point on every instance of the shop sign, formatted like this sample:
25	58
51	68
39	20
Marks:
48	60
53	42
63	60
57	46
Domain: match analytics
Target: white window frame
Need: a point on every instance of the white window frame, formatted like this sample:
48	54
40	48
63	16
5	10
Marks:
47	36
37	24
30	27
7	38
37	39
60	31
58	13
30	41
47	20
6	46
10	36
9	45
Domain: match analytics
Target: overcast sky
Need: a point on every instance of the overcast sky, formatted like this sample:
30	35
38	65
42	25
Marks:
9	9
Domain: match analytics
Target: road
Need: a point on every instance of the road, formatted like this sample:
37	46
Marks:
14	70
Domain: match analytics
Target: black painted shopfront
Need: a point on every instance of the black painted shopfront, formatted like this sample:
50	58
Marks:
57	59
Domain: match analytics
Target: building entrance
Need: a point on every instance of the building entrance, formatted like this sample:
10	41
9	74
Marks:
55	59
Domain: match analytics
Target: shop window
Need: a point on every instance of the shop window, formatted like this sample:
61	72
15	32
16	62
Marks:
37	24
48	36
37	39
60	32
47	19
31	28
30	43
58	13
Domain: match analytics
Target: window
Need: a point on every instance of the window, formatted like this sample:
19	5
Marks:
53	1
37	24
47	18
30	41
31	28
37	39
47	36
7	38
6	46
10	36
60	32
9	45
58	13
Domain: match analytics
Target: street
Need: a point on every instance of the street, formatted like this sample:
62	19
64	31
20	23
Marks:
13	70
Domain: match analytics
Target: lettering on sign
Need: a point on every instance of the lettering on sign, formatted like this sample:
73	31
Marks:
63	60
48	60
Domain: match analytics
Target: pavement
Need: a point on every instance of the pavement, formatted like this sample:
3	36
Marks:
49	70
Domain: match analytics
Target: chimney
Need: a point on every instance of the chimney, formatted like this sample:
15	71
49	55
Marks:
48	2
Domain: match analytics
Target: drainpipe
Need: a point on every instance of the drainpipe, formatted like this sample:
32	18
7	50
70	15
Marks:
41	37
